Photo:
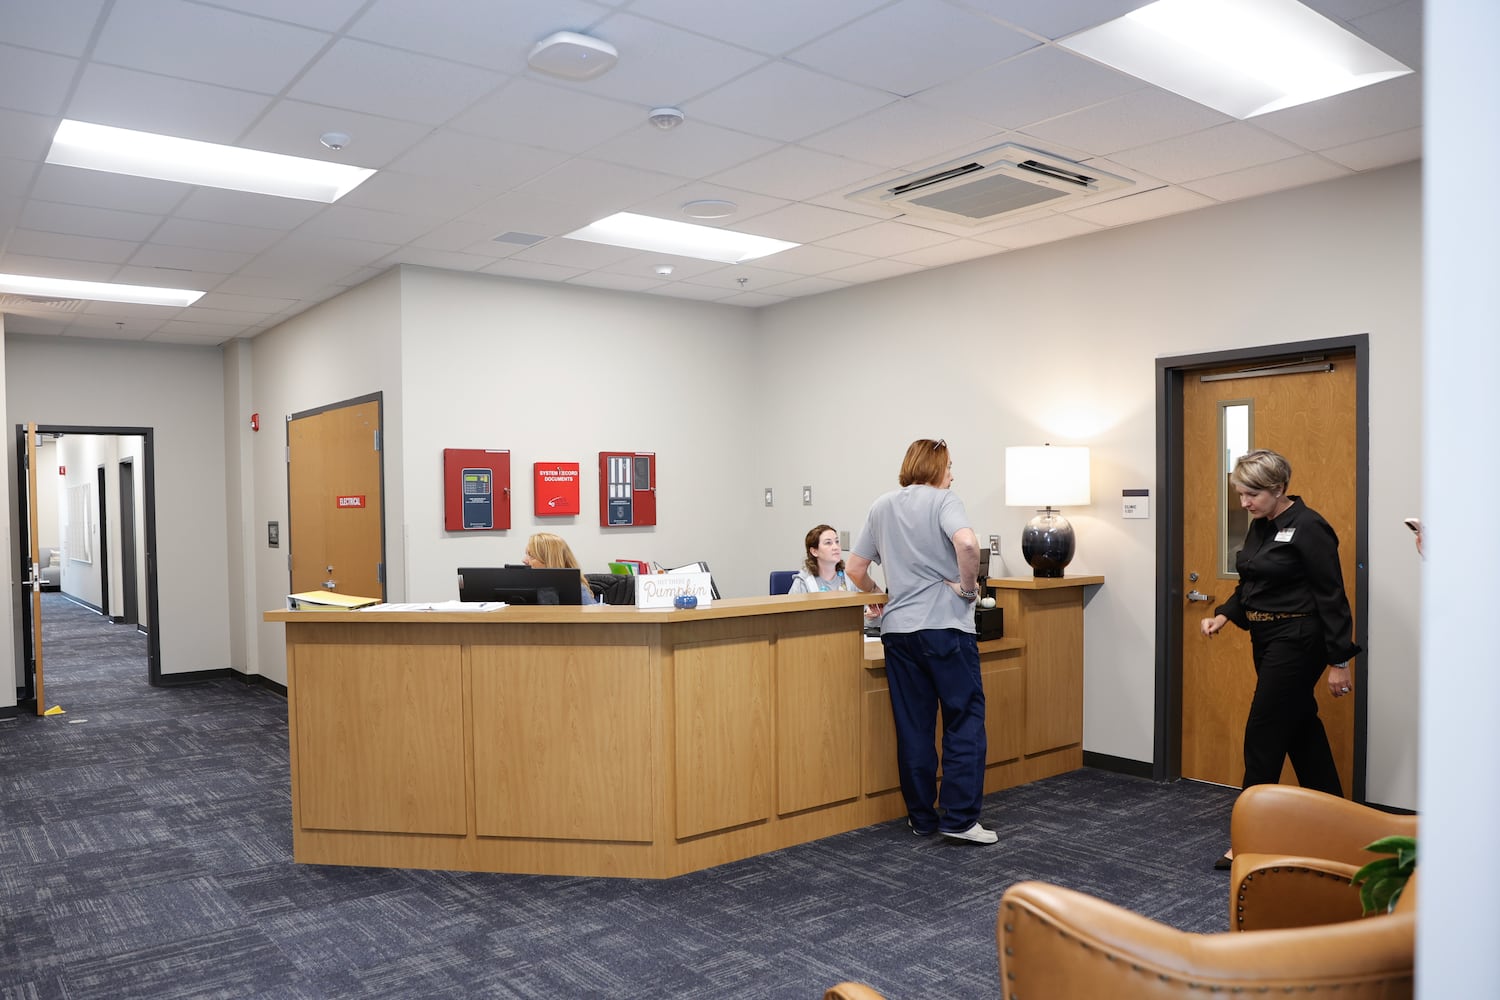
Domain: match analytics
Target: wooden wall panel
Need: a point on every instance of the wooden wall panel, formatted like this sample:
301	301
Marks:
817	719
722	733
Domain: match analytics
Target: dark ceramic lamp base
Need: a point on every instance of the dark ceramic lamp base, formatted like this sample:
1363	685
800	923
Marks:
1047	543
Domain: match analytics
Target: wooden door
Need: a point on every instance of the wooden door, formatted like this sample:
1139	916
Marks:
334	512
1310	417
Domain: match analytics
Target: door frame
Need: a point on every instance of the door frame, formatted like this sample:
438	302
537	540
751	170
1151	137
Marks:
147	469
1171	374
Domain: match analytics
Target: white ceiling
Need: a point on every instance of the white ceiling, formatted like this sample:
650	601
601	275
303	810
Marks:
790	105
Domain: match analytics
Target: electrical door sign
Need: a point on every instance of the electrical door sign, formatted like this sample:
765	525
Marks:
627	488
476	486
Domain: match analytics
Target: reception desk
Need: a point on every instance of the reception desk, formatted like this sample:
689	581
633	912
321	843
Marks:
606	740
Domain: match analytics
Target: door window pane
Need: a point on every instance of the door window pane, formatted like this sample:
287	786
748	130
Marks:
1234	441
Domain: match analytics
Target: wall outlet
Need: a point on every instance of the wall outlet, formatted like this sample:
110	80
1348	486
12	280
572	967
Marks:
770	497
994	545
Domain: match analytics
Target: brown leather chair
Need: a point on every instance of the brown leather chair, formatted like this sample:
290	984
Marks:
1294	853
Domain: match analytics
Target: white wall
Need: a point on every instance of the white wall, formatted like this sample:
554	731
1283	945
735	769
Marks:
1058	344
341	349
558	373
47	494
178	392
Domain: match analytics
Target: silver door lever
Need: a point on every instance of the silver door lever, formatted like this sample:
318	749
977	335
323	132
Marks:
1193	595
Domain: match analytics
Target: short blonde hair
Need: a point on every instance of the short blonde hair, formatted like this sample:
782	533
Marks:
550	551
1261	469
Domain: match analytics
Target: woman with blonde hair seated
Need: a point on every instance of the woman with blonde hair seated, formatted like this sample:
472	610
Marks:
545	550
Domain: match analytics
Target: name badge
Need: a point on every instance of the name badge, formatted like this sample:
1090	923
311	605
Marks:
1285	534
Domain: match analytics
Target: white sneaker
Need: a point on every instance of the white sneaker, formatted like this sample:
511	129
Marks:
975	834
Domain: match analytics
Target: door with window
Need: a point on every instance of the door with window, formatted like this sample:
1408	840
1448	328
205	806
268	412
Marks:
1306	411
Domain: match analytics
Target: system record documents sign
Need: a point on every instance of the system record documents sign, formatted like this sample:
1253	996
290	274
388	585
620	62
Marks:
555	488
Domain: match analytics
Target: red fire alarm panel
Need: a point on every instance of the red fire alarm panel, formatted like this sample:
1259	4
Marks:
476	489
627	488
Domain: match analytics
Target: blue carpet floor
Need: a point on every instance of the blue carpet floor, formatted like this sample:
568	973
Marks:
145	851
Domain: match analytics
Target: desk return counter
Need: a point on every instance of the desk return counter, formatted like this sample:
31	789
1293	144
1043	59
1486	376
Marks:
613	741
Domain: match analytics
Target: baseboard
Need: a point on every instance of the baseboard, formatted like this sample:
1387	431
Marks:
10	711
256	680
1117	765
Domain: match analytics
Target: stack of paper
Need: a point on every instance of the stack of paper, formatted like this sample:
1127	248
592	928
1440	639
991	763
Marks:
326	600
439	606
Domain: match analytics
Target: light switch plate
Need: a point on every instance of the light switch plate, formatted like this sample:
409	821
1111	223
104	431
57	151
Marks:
994	545
770	497
807	496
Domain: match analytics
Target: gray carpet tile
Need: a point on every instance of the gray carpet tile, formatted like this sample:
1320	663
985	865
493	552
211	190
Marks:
146	852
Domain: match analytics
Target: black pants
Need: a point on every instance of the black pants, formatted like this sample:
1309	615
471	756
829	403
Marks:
1289	662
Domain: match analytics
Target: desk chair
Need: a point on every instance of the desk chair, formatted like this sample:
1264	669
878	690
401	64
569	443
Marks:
781	580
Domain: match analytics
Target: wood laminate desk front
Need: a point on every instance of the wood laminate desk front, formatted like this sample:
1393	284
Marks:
599	740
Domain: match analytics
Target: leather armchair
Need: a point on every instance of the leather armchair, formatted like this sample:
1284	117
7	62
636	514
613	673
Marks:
1294	853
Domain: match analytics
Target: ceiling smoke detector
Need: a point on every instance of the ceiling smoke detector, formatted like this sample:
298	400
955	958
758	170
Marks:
572	56
709	208
665	118
334	140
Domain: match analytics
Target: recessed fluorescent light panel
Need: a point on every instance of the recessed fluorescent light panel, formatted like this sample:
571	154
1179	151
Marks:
98	291
168	158
1241	57
642	232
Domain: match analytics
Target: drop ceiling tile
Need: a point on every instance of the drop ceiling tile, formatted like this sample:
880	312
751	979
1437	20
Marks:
27	136
809	260
1217	150
643	264
692	149
517	212
1134	119
108	312
325	15
903	133
539	114
32	243
795	173
730	276
1040	84
1038	231
294	128
573	253
773	101
93	187
1289	173
34	81
62	27
1056	18
1385	151
216	236
83	220
497	36
752	300
125	98
407	194
298	286
445	260
1396	30
810	286
361	76
803	223
598	185
661	64
15	176
944	254
911	45
875	270
258	304
190	258
669	204
208	44
478	160
181	334
156	277
511	268
689	290
256	210
617	282
367	225
463	236
770	26
1361	114
885	239
1141	207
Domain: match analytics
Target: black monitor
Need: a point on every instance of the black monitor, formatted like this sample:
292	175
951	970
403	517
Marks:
520	585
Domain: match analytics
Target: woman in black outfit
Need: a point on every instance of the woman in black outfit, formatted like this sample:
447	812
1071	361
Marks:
1291	599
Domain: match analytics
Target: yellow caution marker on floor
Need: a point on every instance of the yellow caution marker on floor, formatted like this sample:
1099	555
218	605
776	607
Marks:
55	710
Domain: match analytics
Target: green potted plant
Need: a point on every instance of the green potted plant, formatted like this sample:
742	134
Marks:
1381	881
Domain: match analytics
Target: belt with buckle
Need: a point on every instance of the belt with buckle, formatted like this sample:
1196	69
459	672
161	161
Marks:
1274	616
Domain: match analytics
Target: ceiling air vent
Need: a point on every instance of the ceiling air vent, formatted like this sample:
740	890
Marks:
989	184
38	305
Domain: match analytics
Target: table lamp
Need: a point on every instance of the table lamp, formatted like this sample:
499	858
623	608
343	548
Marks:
1046	478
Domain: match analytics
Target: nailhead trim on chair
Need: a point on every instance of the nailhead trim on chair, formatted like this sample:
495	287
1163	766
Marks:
1240	910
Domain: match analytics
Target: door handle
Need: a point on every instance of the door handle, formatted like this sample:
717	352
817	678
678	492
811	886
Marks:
330	584
1193	595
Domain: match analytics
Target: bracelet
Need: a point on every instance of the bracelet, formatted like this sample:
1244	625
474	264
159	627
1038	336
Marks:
968	595
1341	666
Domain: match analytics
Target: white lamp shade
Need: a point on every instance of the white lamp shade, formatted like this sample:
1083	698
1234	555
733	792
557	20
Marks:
1046	477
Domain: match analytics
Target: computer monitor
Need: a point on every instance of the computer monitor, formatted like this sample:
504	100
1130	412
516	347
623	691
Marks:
520	585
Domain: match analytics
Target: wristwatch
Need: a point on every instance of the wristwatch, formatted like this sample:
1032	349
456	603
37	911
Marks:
968	595
1341	666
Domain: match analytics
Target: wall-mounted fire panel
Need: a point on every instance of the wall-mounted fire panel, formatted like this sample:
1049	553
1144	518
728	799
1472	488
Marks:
476	489
627	488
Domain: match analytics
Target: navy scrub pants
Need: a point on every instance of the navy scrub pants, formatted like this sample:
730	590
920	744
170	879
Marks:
930	670
1289	655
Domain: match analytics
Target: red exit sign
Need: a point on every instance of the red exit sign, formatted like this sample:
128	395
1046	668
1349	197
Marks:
358	501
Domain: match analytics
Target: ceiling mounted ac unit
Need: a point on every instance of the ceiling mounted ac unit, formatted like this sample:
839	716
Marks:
992	183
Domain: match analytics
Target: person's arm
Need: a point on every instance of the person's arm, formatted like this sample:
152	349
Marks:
799	585
966	547
1319	548
857	569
